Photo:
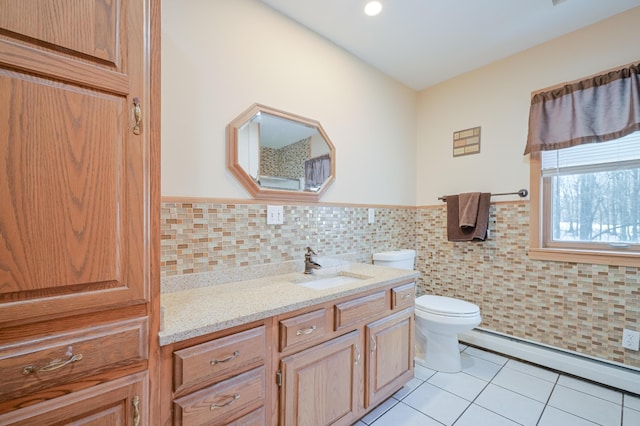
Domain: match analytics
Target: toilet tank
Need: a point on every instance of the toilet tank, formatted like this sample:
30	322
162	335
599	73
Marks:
402	259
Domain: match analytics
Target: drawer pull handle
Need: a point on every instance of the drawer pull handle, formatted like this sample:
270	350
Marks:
227	359
374	345
357	355
53	365
406	295
226	404
136	410
137	115
306	331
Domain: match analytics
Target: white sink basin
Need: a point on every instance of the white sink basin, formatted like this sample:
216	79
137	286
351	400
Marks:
322	282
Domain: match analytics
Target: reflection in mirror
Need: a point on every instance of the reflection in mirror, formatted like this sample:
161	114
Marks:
279	155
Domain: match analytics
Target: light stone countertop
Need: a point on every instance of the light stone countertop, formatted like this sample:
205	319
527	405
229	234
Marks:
198	311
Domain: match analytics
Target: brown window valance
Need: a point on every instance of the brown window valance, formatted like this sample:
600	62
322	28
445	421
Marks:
597	109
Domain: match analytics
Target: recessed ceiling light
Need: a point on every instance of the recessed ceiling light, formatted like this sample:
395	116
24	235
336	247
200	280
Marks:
373	8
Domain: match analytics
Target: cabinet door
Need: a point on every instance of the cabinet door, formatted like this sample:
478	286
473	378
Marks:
321	385
72	166
389	360
119	402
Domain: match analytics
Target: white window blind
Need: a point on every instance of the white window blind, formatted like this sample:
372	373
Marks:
623	152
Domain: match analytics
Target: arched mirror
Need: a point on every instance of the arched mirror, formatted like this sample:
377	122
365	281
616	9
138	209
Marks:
280	156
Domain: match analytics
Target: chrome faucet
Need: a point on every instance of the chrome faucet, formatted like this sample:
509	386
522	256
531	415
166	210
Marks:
309	264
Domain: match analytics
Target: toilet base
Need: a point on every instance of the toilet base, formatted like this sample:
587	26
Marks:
442	353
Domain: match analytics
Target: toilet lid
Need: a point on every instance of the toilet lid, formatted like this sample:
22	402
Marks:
442	305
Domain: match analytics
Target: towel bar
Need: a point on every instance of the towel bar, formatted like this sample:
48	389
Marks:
521	193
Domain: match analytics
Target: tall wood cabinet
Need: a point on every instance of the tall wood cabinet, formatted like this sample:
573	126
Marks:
79	209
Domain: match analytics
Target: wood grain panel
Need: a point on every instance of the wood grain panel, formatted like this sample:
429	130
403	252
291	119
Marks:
101	348
63	170
208	361
73	175
352	312
320	384
304	328
109	403
223	401
389	361
403	296
89	27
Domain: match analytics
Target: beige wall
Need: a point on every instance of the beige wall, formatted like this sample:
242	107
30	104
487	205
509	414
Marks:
497	97
221	56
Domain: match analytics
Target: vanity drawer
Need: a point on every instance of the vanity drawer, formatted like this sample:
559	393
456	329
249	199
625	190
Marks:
403	296
303	328
65	357
208	360
254	418
223	402
358	310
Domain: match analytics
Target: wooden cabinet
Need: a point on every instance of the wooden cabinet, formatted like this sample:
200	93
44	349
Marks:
206	361
218	379
118	402
320	385
216	404
73	169
389	360
327	364
364	360
79	190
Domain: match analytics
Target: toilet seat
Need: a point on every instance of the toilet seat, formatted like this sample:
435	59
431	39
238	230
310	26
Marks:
446	306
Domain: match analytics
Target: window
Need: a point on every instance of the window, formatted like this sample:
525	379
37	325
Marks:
591	196
584	141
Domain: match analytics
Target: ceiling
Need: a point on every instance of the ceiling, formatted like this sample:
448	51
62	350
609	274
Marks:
424	42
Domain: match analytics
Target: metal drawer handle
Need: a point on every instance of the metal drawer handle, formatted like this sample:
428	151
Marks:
406	295
226	404
137	115
53	365
374	346
227	359
307	331
136	410
357	354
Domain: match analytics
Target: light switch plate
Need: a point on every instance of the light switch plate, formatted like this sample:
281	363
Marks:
372	215
275	215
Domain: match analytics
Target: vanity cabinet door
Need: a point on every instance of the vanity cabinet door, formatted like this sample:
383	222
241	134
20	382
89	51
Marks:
117	402
321	385
73	165
389	358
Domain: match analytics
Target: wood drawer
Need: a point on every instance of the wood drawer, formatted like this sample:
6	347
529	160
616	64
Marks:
68	356
254	418
222	402
358	310
206	361
303	328
403	296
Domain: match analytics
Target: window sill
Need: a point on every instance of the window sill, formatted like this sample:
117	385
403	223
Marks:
614	258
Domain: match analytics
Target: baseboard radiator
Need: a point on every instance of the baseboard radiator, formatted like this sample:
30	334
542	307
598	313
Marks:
608	373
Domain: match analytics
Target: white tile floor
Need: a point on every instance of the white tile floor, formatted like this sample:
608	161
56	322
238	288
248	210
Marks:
493	390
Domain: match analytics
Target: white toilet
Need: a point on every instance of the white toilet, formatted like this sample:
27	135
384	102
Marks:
439	319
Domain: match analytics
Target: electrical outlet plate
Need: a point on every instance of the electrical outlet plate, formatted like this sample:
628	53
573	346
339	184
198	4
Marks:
631	339
275	215
372	215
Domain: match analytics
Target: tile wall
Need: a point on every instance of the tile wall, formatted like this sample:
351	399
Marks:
579	307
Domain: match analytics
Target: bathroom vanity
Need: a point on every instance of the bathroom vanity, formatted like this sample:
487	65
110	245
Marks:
287	349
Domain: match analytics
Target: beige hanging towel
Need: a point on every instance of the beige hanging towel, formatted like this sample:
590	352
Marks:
479	231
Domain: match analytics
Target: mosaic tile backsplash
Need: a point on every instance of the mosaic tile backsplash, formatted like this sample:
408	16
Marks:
573	306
